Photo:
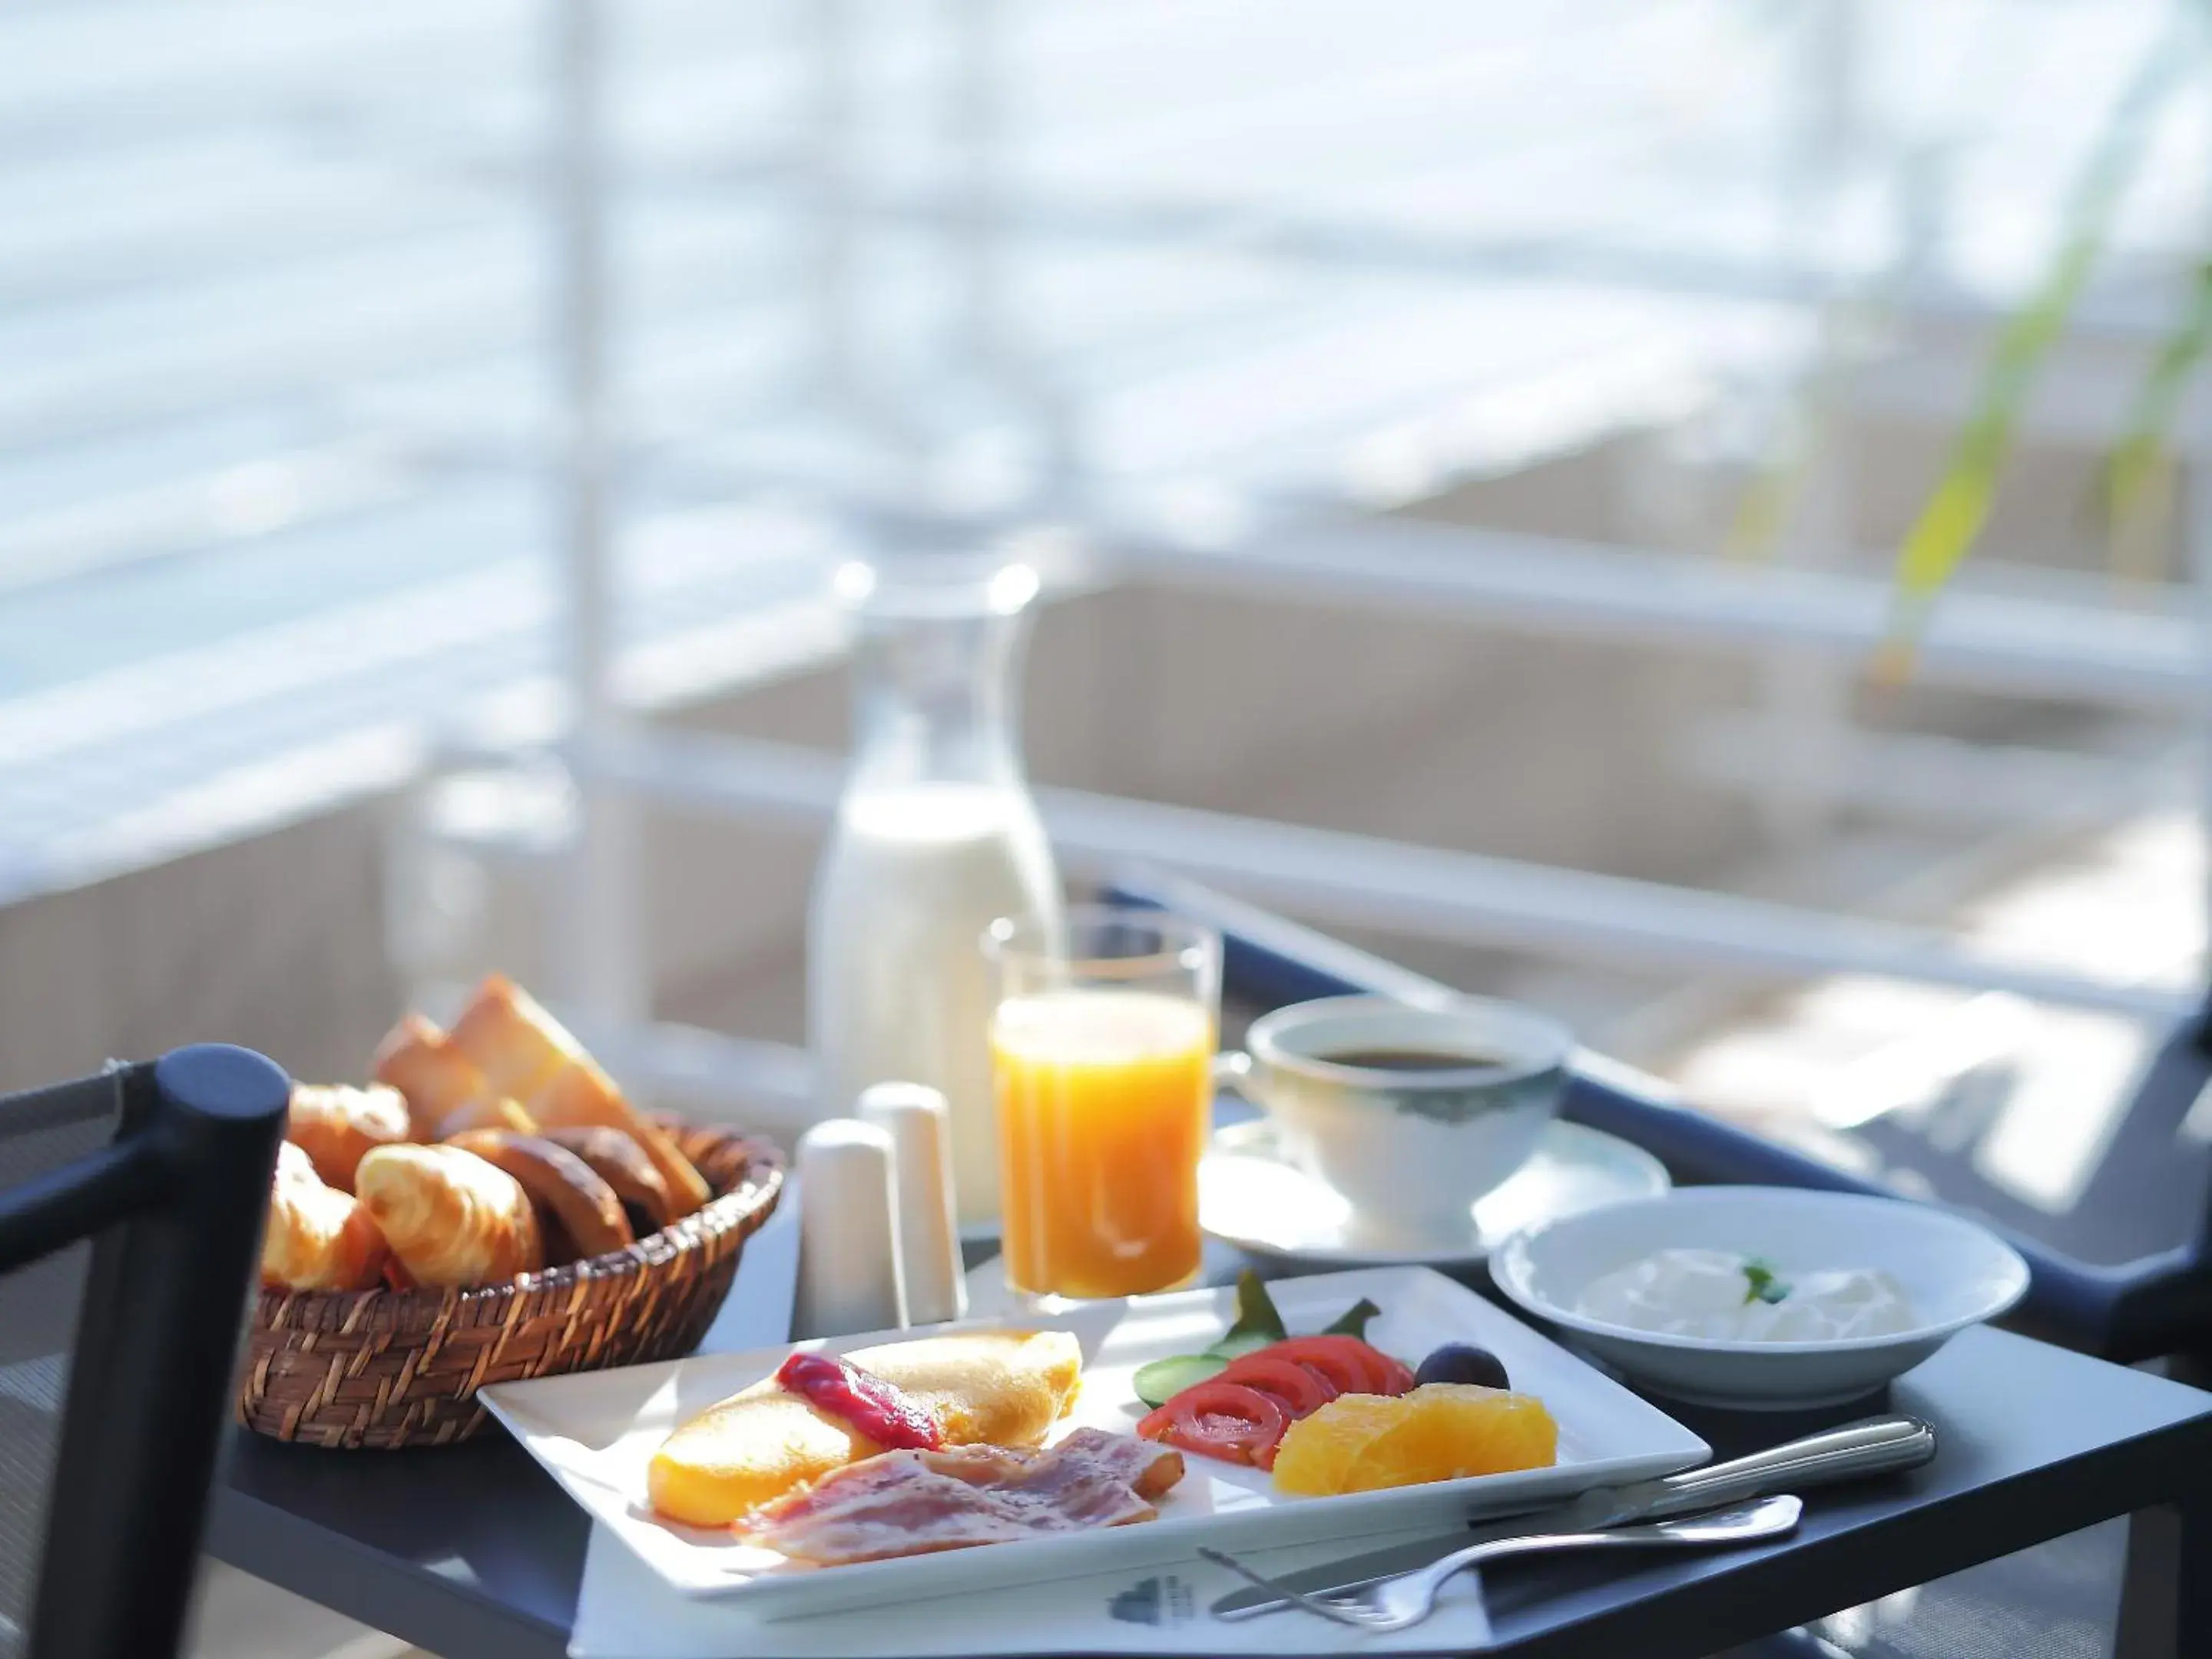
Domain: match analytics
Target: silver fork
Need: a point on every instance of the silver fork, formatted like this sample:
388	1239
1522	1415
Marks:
1393	1604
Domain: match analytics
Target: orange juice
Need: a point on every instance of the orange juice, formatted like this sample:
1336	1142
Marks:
1103	1103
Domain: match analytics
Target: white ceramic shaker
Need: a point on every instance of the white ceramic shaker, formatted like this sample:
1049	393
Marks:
849	1278
915	1118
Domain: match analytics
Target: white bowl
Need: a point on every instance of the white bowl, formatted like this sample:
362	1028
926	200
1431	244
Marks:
1956	1275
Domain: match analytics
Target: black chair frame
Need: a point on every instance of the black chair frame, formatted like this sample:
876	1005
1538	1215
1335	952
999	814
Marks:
174	1205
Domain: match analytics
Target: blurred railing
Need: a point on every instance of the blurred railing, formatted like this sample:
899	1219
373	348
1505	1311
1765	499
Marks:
421	334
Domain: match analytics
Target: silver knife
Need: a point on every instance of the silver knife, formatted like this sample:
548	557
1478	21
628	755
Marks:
1876	1445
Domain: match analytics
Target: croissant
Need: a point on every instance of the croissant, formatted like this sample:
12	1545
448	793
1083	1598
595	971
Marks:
437	1078
317	1238
451	1219
525	1052
335	1125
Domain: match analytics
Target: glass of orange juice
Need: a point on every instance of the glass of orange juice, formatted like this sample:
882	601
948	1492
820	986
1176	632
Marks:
1101	1057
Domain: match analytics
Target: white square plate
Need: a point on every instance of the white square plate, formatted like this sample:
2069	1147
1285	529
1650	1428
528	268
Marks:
596	1432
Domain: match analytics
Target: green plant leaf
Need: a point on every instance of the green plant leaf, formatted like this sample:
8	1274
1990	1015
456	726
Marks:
1763	510
2134	465
1957	510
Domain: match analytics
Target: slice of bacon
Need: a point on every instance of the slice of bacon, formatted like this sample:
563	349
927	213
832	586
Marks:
916	1503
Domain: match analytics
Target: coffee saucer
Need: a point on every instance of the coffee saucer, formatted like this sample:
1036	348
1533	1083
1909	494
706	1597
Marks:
1250	1196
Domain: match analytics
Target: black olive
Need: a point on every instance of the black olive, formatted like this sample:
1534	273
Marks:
1460	1362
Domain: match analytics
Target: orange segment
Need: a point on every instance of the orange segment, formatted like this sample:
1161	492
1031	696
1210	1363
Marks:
1446	1431
1317	1452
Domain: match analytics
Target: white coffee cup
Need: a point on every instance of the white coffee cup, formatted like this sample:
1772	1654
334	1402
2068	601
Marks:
1412	1145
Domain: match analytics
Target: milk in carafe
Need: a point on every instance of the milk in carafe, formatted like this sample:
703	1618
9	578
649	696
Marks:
913	878
935	839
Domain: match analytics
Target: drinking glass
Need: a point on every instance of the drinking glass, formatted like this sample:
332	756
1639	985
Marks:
1102	1056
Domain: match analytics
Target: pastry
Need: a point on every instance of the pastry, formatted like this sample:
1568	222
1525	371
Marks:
336	1124
527	1054
486	1112
437	1078
451	1217
983	1388
317	1238
618	1159
581	1095
512	1040
589	1214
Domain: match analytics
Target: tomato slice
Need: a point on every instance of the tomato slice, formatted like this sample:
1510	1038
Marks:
1349	1364
1300	1388
1218	1419
1400	1380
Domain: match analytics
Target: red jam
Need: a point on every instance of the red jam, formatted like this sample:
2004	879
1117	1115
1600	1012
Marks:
872	1406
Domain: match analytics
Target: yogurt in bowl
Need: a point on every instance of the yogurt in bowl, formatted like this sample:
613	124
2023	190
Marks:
1729	1297
1761	1297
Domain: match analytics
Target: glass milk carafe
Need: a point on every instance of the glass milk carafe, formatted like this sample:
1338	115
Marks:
936	838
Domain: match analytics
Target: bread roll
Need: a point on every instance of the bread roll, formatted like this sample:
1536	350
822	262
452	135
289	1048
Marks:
582	1096
451	1218
527	1054
490	1112
984	1388
589	1212
618	1159
513	1040
317	1238
437	1078
336	1124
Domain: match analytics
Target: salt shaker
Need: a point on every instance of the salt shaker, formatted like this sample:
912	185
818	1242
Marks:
849	1256
919	1123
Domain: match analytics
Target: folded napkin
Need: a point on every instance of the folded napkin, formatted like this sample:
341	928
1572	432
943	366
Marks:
625	1612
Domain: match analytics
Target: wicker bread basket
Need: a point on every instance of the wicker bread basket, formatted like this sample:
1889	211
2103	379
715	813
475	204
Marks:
386	1369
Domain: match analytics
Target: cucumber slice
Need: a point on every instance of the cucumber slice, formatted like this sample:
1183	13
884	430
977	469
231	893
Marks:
1156	1383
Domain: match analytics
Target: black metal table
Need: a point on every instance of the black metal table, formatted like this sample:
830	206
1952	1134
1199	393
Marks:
472	1552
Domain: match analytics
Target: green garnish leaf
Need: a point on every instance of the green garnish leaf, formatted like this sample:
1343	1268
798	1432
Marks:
1258	1324
1761	1283
1353	1321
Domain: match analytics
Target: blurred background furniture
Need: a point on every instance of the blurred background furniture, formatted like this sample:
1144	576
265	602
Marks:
1446	346
130	1209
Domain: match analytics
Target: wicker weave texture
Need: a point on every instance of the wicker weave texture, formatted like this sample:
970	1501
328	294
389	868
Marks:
381	1369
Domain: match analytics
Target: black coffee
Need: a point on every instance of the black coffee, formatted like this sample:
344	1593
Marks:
1411	1060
